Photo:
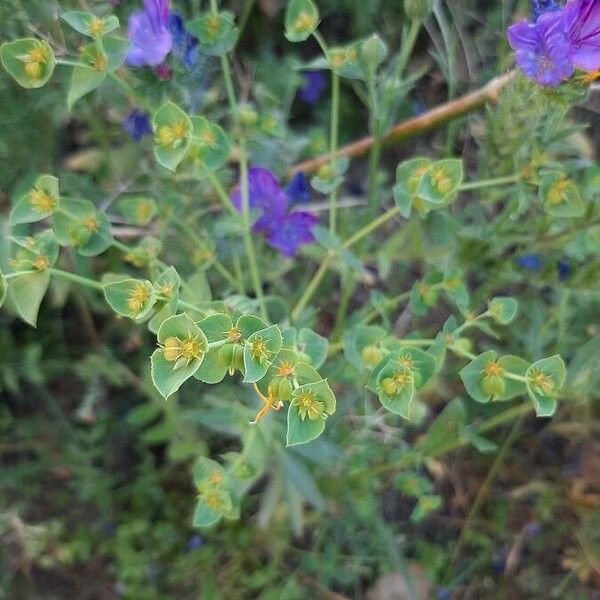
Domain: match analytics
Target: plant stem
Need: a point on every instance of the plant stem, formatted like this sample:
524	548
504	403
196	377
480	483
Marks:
370	227
139	99
483	490
78	279
248	243
70	63
334	135
475	185
312	286
221	192
383	118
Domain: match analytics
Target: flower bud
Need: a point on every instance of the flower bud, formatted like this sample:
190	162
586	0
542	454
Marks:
493	386
247	116
418	10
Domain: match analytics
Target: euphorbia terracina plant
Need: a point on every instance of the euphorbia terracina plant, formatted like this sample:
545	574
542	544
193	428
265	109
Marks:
265	243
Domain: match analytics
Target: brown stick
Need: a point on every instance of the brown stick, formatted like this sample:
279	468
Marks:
424	122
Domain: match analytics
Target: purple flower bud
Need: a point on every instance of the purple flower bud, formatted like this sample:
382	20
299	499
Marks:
137	124
149	34
563	269
314	85
531	262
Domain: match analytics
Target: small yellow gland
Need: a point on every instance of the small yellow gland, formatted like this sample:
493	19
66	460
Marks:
170	136
99	62
138	296
493	368
213	500
541	382
191	349
285	369
212	25
41	201
90	223
421	170
309	406
96	27
407	362
215	478
166	290
41	263
337	58
556	193
441	180
258	350
304	22
209	138
234	335
33	70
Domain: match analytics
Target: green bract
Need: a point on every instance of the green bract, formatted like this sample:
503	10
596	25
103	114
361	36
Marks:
560	196
166	286
182	347
260	348
301	19
215	494
27	292
172	135
503	310
396	388
210	145
29	61
38	203
89	24
138	210
309	407
216	33
441	181
545	378
363	346
36	253
131	298
408	177
310	346
488	378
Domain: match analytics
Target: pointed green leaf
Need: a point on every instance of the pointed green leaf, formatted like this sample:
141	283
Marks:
27	292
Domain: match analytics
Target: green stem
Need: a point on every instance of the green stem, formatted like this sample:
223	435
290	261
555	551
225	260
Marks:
312	286
69	63
381	120
390	304
484	183
334	138
221	192
481	494
9	276
78	279
248	243
370	227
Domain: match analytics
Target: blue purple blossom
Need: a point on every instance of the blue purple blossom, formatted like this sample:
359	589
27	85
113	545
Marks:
313	88
284	230
531	262
542	49
137	124
297	189
563	269
185	45
560	40
149	34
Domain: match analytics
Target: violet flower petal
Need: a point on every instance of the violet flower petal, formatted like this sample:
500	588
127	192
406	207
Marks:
264	192
582	22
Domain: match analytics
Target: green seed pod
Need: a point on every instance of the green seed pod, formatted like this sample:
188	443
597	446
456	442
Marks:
418	10
371	355
237	361
388	386
282	388
247	116
225	355
493	386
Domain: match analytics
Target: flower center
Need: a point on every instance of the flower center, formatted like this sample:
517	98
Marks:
96	27
493	368
138	296
309	406
41	201
90	224
541	382
285	369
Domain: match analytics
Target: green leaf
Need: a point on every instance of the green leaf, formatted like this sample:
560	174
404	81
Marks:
260	348
211	147
116	49
217	361
214	493
138	210
345	61
301	19
90	74
216	33
173	135
503	310
76	221
545	378
38	203
131	298
29	61
396	388
425	293
425	505
88	24
560	196
313	345
446	430
35	253
439	185
408	178
101	238
27	293
183	346
305	425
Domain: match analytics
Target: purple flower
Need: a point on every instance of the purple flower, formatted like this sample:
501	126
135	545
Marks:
137	124
297	189
185	45
582	23
312	90
283	229
149	33
542	49
531	262
563	269
539	7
